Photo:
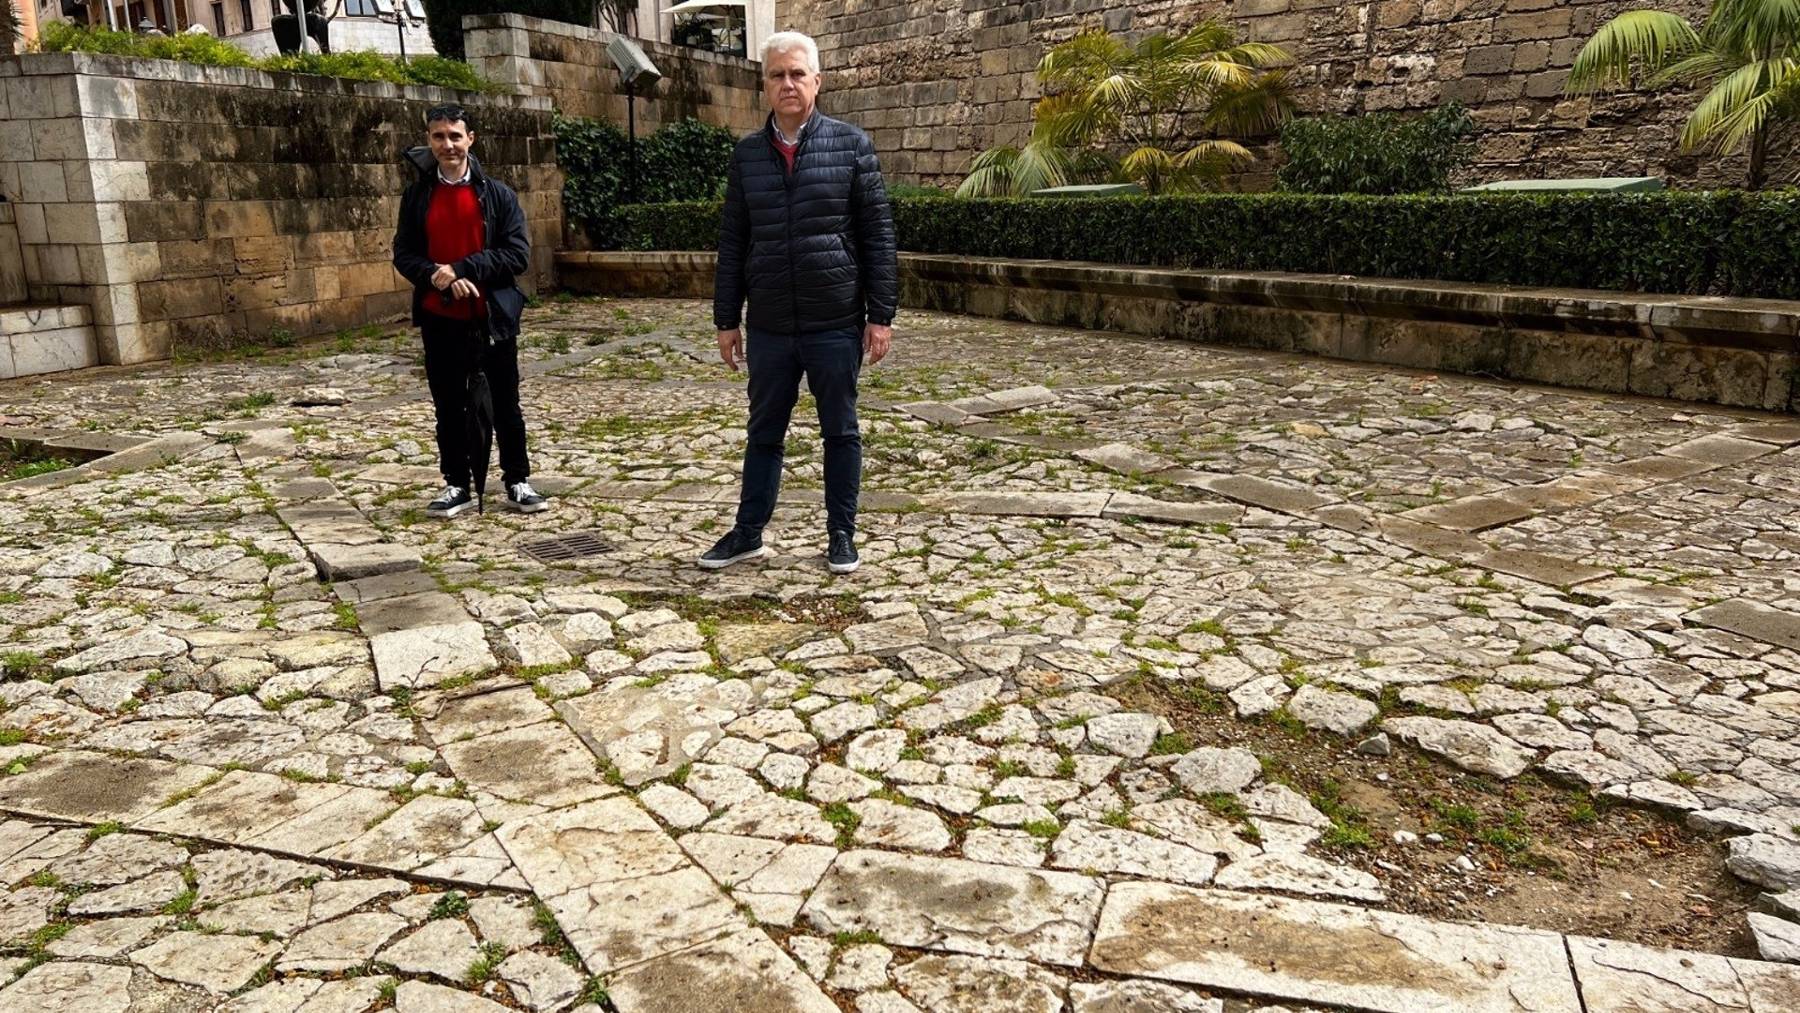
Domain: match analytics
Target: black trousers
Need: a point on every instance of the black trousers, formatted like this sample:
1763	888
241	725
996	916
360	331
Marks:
450	350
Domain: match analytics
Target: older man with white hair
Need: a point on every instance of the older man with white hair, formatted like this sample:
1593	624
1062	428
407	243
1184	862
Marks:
808	242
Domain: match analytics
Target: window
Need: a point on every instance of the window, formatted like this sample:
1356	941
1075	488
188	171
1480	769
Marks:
249	16
218	9
361	8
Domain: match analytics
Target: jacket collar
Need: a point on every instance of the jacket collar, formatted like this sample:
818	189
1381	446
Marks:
423	160
774	132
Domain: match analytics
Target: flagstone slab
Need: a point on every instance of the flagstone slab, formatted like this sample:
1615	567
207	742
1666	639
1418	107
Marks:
620	888
421	831
336	561
1751	619
1021	504
341	944
741	972
1719	449
69	986
1281	497
409	611
1126	504
243	804
384	585
1330	954
542	763
1475	513
1618	977
424	656
1541	567
96	788
460	717
217	963
958	905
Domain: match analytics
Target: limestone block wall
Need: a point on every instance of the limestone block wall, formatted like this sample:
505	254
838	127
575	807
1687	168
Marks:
12	261
936	81
191	204
568	64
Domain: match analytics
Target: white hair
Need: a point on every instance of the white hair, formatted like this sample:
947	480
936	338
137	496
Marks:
787	42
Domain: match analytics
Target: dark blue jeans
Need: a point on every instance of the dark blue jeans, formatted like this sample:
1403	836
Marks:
831	361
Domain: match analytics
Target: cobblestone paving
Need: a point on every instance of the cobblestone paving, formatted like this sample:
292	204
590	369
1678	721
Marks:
453	777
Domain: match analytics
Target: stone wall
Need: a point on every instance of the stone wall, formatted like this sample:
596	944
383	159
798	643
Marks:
568	63
191	204
936	81
1738	352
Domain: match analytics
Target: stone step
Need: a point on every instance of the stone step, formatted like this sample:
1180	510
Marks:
45	339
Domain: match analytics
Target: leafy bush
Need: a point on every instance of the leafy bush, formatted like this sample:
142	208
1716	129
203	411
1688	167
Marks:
62	37
1382	153
1721	243
444	17
65	37
686	160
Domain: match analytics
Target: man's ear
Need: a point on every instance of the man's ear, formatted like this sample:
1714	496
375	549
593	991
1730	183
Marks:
471	138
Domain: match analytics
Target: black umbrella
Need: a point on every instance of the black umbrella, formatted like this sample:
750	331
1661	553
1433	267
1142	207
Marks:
480	414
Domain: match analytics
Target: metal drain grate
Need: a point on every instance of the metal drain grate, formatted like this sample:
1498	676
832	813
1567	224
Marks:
578	545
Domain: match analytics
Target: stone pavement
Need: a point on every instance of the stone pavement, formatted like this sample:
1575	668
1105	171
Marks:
273	740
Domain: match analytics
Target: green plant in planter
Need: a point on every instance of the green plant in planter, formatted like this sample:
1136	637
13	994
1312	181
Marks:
1381	153
1106	96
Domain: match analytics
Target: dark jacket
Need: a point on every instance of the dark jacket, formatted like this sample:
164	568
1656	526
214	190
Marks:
505	255
811	250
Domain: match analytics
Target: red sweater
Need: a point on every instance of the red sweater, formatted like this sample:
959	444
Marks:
454	230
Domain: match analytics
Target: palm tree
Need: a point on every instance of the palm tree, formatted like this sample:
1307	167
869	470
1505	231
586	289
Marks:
1747	54
1106	95
11	29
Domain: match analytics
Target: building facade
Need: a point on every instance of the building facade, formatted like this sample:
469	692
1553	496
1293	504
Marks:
385	26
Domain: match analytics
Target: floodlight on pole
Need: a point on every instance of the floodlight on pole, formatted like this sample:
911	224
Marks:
636	71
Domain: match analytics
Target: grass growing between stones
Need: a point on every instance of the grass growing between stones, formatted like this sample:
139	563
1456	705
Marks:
1543	855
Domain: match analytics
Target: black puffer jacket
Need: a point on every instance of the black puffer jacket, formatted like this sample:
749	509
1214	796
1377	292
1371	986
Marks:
811	250
494	269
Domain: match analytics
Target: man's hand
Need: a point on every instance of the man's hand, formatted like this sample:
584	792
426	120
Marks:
463	288
442	277
731	347
876	339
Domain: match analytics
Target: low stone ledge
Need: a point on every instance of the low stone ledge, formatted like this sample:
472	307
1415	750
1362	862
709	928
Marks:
1737	352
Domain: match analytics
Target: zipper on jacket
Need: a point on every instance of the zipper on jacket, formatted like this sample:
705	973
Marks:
787	182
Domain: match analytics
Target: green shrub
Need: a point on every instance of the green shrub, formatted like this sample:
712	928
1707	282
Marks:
444	17
686	160
64	37
1718	243
1381	153
364	65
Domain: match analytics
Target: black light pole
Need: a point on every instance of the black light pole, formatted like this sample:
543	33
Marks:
631	132
635	71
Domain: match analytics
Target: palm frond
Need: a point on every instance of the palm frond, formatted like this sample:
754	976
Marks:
1266	103
1740	104
1651	39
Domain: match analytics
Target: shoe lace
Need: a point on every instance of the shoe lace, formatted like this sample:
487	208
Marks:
840	542
522	490
450	492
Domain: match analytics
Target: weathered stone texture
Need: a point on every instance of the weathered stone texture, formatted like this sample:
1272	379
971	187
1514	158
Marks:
569	64
190	205
935	81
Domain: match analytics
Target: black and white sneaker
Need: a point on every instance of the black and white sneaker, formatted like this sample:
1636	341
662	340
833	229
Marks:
735	547
522	497
841	554
452	501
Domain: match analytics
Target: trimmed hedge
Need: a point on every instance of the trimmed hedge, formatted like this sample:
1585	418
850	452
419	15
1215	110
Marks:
684	160
1717	243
